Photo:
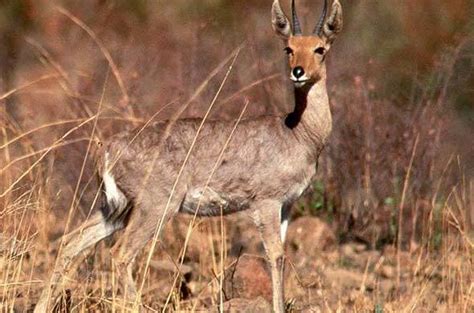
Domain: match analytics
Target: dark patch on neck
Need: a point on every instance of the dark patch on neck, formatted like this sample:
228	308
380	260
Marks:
293	119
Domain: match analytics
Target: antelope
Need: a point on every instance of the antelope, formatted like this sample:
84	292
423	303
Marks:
265	167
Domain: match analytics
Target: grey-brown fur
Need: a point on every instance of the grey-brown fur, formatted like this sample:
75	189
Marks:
262	156
265	167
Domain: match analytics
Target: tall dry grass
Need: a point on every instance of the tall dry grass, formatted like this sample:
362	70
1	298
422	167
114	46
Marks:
396	176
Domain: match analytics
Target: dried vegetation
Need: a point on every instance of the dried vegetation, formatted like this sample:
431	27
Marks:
387	227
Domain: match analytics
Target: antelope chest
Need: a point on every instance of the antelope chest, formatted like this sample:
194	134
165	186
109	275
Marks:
297	189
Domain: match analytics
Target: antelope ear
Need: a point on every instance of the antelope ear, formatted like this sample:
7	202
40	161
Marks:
281	24
333	24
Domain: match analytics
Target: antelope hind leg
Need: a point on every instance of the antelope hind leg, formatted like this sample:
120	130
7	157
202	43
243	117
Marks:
86	236
140	229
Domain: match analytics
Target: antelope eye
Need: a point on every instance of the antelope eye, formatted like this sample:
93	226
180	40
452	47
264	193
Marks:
288	50
320	50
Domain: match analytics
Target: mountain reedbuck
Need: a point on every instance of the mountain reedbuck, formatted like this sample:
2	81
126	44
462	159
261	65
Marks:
264	168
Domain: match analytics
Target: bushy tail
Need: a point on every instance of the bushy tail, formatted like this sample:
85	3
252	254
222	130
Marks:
115	206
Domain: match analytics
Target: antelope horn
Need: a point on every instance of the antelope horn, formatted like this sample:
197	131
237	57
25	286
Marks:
319	27
296	23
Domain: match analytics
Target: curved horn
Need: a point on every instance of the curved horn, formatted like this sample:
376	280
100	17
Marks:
296	23
319	27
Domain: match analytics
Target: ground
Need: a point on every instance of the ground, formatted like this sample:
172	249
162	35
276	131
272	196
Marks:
322	273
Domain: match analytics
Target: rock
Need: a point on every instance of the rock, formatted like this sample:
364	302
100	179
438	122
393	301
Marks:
348	250
311	235
386	286
166	265
342	278
248	279
248	306
387	271
360	247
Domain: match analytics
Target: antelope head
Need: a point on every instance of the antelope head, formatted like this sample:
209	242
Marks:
307	54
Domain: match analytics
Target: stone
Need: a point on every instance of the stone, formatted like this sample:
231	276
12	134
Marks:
311	235
387	271
248	279
259	305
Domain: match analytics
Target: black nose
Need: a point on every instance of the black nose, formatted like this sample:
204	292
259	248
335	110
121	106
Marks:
298	72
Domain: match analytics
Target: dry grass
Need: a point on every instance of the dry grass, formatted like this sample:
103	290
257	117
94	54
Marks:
395	187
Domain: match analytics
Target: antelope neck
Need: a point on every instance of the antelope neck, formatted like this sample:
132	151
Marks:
311	119
293	119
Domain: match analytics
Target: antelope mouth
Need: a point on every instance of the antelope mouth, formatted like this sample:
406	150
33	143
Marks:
300	82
